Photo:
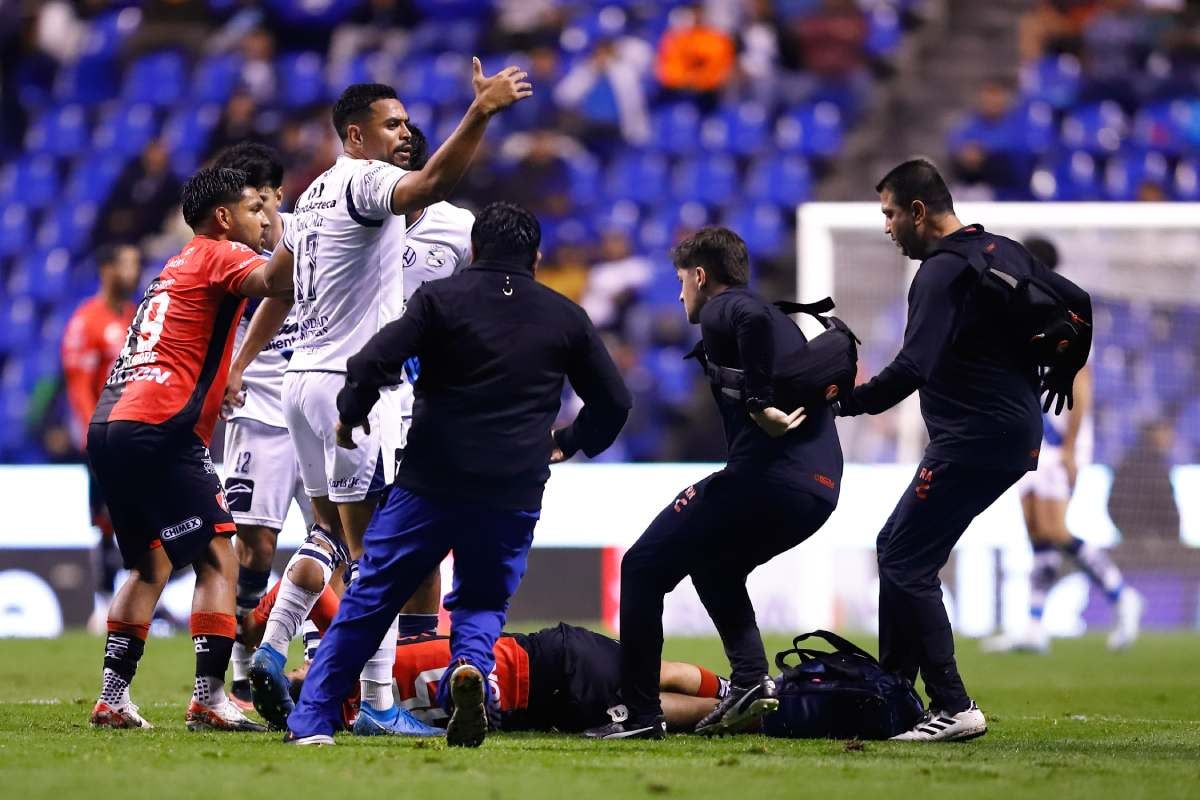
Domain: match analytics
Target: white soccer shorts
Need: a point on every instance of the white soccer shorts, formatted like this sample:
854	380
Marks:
345	476
262	477
1050	480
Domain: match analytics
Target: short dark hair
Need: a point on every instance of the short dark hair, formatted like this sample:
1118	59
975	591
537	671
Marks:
1043	250
918	179
720	251
506	232
355	103
262	164
106	254
211	187
419	155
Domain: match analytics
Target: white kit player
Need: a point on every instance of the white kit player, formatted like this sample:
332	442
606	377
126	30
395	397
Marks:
346	248
262	475
1067	443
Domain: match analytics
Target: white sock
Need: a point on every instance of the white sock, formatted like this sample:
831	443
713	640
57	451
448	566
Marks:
209	690
292	606
240	661
375	681
312	638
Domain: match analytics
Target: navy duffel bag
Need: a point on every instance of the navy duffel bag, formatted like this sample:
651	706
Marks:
844	694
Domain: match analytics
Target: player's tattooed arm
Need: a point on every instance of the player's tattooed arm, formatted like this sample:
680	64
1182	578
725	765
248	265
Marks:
447	166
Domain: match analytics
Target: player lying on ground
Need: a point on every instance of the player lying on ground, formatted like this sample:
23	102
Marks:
557	679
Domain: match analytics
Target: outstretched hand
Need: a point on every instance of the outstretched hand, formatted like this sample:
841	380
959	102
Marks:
501	90
776	423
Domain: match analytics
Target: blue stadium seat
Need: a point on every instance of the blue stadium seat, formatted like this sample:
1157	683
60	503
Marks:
709	179
301	79
675	128
49	274
674	377
1041	135
1099	129
187	131
442	81
67	225
159	79
642	177
360	68
215	78
785	180
747	128
1054	79
584	176
32	181
60	131
1124	174
761	225
1162	127
127	130
16	229
814	131
18	320
883	31
1071	176
93	177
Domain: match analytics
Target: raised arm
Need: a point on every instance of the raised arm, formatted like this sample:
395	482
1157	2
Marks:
606	400
447	166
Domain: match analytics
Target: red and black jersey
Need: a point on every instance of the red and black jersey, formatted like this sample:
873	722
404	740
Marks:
175	362
91	343
422	660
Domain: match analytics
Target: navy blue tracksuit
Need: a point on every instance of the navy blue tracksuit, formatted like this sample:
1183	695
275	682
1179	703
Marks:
495	348
979	399
772	495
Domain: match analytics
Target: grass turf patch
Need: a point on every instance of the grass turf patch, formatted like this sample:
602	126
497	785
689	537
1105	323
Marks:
1080	722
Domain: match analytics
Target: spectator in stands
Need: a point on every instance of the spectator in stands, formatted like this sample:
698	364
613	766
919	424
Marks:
614	281
145	189
1116	40
1053	27
258	69
694	58
760	53
1142	501
540	110
521	24
986	147
566	270
545	182
832	44
603	95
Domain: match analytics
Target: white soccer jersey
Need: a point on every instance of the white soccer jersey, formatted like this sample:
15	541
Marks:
349	251
438	245
263	379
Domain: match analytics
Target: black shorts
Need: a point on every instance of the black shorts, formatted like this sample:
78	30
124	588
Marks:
161	489
574	676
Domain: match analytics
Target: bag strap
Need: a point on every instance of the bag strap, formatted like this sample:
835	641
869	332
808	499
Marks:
730	381
837	642
814	309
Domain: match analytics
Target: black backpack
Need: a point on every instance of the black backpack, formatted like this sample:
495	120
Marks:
1046	332
844	694
817	374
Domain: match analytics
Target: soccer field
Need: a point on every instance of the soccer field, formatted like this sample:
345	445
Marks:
1079	723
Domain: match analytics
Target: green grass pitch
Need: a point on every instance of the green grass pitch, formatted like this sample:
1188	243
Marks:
1078	723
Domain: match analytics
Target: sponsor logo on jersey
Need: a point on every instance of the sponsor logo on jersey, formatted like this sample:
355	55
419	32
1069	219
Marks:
181	529
240	494
344	483
410	257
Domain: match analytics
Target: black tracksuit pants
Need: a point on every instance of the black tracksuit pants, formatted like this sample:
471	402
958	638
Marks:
914	545
717	532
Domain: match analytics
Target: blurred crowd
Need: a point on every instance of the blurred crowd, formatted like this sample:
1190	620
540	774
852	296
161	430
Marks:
649	119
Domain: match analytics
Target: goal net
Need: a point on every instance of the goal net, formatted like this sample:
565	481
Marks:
1142	494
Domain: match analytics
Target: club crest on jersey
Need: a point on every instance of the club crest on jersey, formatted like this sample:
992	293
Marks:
181	529
437	257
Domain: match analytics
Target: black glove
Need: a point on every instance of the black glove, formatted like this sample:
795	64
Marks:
1058	387
846	405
